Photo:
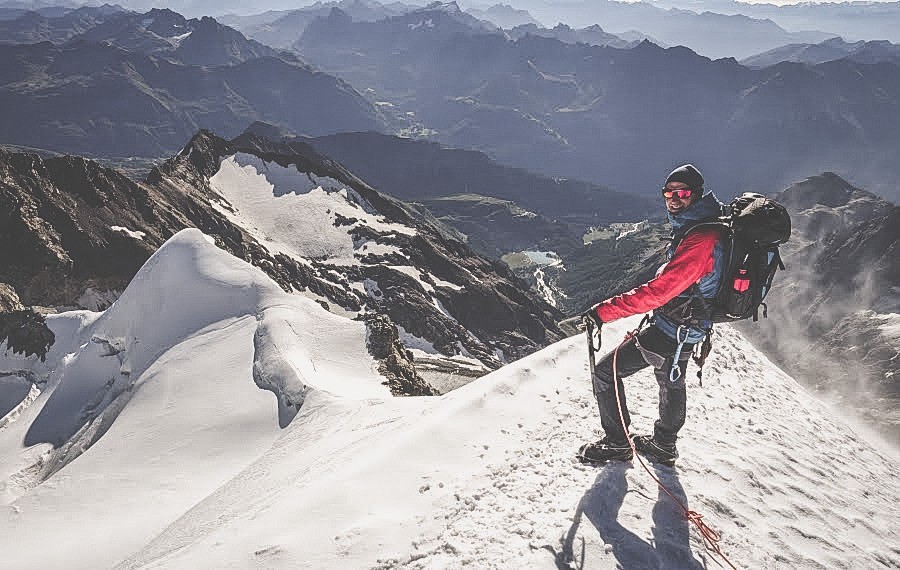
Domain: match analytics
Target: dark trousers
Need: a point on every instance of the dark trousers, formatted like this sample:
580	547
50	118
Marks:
651	347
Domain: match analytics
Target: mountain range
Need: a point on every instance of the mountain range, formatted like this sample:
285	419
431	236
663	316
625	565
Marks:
282	28
12	9
597	113
165	33
714	34
55	26
852	20
829	50
504	16
560	109
593	35
101	99
81	232
500	209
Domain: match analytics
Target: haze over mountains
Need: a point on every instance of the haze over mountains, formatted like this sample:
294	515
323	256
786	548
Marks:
556	108
841	299
851	20
282	28
603	114
829	50
706	32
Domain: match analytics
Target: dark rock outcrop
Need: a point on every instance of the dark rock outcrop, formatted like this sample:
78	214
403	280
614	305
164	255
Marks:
26	333
396	362
9	301
23	330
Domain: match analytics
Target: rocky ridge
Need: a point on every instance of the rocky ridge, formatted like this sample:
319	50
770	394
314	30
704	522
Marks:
165	33
78	232
135	93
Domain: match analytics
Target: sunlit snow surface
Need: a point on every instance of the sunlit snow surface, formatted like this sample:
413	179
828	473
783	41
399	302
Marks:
294	213
190	467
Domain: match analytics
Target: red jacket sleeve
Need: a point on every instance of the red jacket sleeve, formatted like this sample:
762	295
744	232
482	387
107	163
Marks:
692	260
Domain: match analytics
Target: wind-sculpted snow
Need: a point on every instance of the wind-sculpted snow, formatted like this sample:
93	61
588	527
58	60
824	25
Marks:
193	464
186	294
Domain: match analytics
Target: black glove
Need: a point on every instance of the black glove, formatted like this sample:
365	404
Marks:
593	316
26	333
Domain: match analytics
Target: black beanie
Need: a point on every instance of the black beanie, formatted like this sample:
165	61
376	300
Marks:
687	174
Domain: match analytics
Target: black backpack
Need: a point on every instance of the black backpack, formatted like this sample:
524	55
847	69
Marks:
753	228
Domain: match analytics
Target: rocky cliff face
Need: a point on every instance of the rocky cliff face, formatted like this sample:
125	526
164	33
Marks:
59	227
77	233
397	362
23	330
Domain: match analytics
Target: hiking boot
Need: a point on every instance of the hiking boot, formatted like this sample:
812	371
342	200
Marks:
654	450
605	450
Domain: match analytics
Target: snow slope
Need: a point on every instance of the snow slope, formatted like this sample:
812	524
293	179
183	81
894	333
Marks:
193	465
293	212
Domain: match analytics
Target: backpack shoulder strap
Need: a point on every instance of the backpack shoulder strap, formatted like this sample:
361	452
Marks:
678	237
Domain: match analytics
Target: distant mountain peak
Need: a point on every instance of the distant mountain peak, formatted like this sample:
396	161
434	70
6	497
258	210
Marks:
448	7
267	131
647	45
338	15
826	189
157	12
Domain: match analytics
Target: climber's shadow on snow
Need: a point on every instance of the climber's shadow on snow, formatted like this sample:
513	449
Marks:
670	546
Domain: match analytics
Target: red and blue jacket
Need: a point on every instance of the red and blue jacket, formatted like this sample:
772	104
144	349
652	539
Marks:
697	259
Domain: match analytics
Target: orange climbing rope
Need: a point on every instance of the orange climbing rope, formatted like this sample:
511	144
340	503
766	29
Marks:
710	537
